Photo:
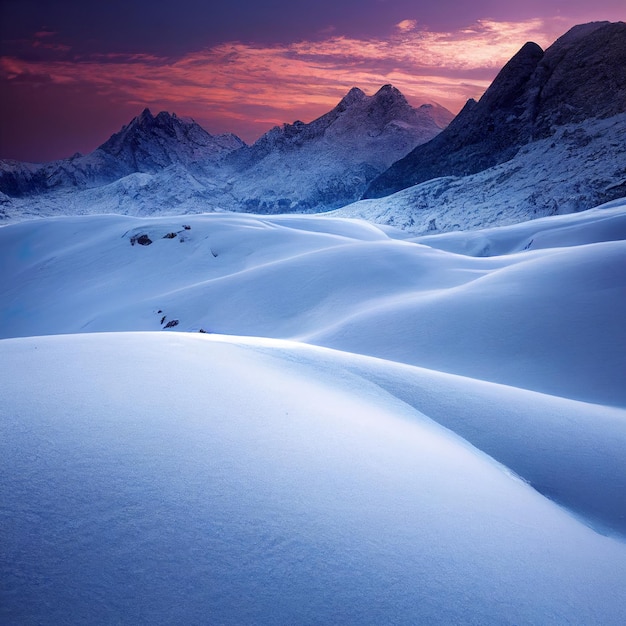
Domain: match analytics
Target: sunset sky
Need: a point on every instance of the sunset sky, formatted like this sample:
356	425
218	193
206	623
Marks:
73	72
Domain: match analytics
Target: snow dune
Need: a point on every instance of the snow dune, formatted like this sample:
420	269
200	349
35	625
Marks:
547	319
185	478
371	429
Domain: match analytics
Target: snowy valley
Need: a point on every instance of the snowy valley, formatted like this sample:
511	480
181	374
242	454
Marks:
217	407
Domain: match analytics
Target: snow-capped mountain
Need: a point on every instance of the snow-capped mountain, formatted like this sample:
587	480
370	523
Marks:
581	76
306	167
148	145
330	162
580	166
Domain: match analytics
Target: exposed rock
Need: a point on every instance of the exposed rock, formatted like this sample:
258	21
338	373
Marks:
142	240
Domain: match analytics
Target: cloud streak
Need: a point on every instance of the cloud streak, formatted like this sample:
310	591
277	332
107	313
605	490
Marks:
252	87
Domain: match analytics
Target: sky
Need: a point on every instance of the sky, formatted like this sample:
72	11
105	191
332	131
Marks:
74	72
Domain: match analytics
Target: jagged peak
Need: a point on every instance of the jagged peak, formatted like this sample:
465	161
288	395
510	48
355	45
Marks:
353	96
165	115
388	95
512	78
529	54
388	89
146	115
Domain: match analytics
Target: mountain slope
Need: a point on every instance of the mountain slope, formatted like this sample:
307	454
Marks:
580	166
167	164
147	145
580	76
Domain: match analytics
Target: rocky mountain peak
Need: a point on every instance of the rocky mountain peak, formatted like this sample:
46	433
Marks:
144	118
511	81
352	97
150	143
581	76
389	93
385	120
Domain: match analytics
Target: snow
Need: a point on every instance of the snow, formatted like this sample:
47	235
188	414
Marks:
549	319
373	428
579	167
184	478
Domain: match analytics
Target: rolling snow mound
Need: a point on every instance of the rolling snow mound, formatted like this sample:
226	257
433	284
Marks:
354	426
183	478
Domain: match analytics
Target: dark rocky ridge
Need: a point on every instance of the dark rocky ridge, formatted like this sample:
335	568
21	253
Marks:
582	75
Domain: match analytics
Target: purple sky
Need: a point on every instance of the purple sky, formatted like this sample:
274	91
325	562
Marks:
73	72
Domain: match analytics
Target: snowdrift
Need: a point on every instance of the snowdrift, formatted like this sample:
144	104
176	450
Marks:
548	319
353	427
170	478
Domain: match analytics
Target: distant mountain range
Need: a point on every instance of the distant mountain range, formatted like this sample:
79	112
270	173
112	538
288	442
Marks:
547	136
297	167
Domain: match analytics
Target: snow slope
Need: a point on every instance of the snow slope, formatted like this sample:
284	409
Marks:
581	166
549	319
182	478
451	450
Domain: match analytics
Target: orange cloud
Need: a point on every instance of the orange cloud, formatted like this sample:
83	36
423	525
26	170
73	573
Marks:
406	25
265	85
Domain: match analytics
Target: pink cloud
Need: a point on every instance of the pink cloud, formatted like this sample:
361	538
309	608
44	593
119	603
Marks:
254	86
406	25
45	33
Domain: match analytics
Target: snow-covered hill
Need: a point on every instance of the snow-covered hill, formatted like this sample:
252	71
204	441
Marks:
176	478
450	451
336	283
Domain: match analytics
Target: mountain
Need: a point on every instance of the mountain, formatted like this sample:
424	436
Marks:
148	144
581	76
330	161
164	163
580	166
